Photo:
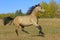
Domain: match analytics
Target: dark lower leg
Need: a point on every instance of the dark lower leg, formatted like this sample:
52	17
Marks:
23	29
40	30
16	32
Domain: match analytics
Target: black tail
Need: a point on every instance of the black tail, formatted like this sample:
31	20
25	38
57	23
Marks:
7	20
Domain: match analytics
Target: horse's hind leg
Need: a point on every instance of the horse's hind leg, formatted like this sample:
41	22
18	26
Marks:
17	30
23	29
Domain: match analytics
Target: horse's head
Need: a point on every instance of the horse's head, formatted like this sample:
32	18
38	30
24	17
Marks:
39	8
35	9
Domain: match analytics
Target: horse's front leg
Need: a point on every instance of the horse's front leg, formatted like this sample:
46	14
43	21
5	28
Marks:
40	29
41	33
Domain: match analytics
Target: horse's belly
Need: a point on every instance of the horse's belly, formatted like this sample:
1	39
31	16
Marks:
26	23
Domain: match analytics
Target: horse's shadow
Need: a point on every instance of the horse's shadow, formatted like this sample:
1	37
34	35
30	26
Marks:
38	35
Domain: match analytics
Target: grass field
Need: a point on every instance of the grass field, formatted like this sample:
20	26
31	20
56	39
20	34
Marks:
51	28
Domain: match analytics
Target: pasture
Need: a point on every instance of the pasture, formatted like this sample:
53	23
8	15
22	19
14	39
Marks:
51	28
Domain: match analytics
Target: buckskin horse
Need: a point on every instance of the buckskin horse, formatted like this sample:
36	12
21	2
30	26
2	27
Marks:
30	19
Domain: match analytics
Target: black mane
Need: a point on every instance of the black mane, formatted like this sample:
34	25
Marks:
31	9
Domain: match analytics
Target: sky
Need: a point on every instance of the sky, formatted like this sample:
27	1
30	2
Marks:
7	6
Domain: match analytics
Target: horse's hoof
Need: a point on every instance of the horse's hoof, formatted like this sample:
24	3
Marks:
41	34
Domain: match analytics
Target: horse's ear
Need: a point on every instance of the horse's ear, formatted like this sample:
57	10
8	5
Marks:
39	5
36	5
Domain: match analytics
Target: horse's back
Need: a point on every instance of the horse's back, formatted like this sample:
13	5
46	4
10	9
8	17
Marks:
25	20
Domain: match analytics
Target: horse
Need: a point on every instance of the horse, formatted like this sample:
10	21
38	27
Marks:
30	19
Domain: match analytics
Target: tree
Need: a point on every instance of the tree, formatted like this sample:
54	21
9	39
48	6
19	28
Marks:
52	7
19	13
57	12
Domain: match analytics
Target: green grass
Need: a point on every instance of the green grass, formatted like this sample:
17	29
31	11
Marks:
51	28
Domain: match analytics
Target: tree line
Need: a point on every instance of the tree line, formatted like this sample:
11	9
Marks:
52	11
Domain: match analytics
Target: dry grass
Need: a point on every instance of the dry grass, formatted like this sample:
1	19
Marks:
51	27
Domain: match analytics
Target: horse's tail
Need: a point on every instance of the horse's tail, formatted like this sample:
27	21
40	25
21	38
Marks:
6	20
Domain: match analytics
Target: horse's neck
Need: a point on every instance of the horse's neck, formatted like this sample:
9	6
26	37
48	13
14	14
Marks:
34	13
